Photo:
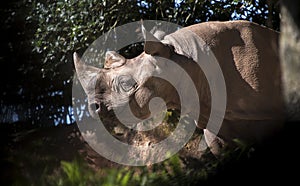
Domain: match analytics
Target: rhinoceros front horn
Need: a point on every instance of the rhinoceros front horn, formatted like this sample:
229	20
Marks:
85	73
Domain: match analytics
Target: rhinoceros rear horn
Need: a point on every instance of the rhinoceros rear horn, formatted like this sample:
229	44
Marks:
85	73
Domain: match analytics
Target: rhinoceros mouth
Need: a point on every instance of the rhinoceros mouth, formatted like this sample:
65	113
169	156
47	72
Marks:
99	109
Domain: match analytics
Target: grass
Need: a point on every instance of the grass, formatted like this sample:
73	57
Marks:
77	173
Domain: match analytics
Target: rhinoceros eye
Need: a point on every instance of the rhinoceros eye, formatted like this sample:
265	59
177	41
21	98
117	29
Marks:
127	83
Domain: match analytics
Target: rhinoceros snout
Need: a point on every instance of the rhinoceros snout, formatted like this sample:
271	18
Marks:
97	109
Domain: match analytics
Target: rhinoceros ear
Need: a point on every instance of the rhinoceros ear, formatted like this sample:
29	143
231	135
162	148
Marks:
157	49
86	74
113	60
153	46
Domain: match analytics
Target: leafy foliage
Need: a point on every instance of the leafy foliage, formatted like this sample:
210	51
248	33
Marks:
40	37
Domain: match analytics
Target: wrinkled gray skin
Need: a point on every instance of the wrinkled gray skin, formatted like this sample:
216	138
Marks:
248	57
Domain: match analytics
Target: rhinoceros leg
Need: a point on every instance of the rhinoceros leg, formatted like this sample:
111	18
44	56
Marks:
214	143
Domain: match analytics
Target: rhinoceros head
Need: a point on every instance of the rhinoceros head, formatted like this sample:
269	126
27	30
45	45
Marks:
124	81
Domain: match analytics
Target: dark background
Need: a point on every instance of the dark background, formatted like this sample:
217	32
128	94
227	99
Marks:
37	41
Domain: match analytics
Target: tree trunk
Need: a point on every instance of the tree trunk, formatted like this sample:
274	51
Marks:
290	56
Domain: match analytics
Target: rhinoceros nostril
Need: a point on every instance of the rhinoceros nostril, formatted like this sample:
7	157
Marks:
95	107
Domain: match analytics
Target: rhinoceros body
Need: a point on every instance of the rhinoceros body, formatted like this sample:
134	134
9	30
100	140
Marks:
247	55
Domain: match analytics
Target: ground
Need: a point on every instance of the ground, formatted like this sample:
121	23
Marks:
27	155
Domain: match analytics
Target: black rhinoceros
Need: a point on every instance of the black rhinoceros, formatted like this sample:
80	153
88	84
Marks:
247	54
